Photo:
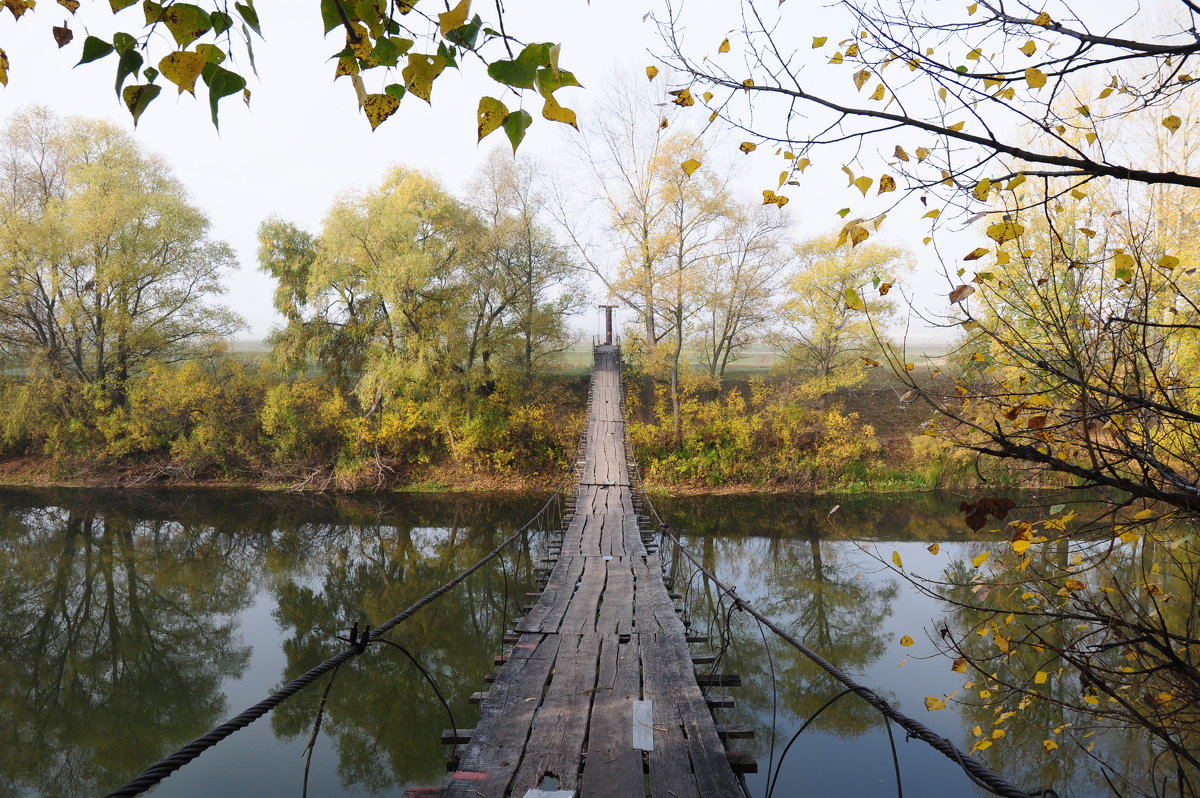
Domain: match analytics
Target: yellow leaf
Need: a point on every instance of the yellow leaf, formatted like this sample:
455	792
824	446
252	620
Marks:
819	41
878	94
887	183
1035	77
1029	48
836	59
899	563
708	95
956	126
379	107
1020	546
1074	585
933	703
869	363
651	72
803	164
1172	123
932	214
975	54
982	745
3	68
981	189
976	253
1168	262
420	73
861	77
1049	745
934	548
960	665
900	153
1040	677
906	641
1091	699
1002	643
922	153
556	113
852	51
455	17
864	184
1016	181
689	166
683	98
980	559
997	733
1004	231
724	46
748	83
182	69
884	288
971	9
961	292
976	731
747	147
783	176
1043	19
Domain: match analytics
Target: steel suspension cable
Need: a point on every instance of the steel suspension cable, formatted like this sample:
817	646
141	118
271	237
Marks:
168	765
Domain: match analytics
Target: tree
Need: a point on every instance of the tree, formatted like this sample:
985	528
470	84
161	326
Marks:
214	46
541	289
743	278
104	265
826	334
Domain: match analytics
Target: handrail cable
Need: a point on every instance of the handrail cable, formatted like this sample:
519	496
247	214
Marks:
168	765
978	772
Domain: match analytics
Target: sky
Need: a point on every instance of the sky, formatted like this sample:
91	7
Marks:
302	141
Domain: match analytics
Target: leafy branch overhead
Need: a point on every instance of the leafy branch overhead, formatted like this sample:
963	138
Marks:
405	47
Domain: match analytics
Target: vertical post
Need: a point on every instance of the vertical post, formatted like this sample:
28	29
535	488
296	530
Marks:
608	327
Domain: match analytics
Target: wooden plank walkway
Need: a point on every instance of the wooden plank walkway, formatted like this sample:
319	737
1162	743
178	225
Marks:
599	696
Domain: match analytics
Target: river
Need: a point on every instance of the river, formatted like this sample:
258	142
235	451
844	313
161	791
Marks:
133	622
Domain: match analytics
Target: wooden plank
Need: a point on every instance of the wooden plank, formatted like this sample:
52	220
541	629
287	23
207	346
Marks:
613	766
555	746
504	721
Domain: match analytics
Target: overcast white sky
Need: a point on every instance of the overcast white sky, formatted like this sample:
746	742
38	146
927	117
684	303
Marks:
302	140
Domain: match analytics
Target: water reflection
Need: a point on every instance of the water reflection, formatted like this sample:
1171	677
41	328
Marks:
131	624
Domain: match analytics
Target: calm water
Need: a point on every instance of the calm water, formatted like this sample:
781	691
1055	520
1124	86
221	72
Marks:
130	624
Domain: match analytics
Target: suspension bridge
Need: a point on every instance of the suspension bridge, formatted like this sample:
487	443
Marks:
599	693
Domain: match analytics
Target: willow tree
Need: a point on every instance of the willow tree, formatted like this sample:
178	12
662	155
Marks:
104	264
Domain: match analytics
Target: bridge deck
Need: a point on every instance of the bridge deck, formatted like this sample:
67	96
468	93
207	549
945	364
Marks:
599	696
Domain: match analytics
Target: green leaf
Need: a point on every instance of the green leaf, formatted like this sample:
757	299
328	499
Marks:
853	301
94	49
522	71
467	35
550	80
843	212
151	74
513	73
186	22
137	97
123	41
212	54
515	125
118	5
448	54
385	52
395	90
1058	508
130	63
250	15
221	22
329	14
221	83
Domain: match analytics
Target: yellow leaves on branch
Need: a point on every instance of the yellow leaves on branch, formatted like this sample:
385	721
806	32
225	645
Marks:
182	69
556	113
683	98
455	17
420	73
933	703
1035	77
960	665
378	107
1004	231
863	184
771	198
491	115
